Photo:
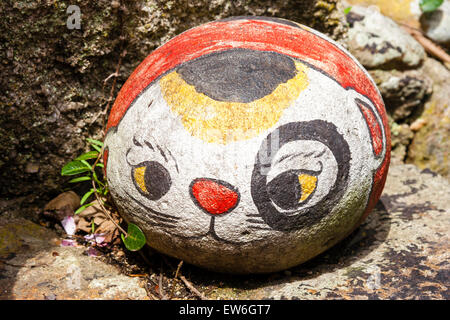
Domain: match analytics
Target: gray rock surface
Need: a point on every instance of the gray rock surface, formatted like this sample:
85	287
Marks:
34	266
404	94
403	91
400	252
378	42
430	147
401	136
436	24
415	88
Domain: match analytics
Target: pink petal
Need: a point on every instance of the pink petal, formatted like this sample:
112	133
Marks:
92	252
69	225
99	238
68	243
89	237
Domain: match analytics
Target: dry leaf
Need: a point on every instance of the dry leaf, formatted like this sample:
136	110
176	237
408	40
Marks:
63	205
103	225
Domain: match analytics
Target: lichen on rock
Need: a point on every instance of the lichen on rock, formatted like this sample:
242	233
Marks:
430	146
378	42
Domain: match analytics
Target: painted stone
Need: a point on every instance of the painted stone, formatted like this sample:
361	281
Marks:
247	145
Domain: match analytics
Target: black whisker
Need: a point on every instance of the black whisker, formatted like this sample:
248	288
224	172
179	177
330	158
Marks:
306	155
175	161
255	221
285	157
323	151
136	143
162	153
148	144
150	209
163	225
163	219
259	228
157	219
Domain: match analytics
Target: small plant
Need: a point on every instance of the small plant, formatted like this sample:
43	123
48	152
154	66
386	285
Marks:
81	165
134	239
430	5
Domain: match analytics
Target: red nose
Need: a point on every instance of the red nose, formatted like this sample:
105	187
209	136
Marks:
214	196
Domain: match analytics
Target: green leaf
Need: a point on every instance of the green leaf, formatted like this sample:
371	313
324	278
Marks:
74	167
100	165
87	164
80	209
96	148
429	5
86	196
79	179
88	155
95	142
94	175
135	239
347	10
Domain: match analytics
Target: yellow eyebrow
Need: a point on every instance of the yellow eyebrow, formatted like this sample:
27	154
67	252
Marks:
223	122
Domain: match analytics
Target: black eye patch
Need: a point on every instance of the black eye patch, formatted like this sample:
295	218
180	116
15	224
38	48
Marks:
277	191
151	179
238	75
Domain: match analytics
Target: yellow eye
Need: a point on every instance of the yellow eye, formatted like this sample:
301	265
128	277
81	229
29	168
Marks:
139	174
308	184
292	188
151	179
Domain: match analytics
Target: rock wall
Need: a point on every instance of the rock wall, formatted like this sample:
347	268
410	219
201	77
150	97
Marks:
415	87
54	93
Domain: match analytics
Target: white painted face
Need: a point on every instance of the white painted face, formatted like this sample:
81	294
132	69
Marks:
274	180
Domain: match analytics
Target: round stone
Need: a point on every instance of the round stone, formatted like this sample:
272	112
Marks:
247	145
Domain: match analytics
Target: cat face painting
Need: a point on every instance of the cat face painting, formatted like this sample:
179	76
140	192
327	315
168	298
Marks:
247	145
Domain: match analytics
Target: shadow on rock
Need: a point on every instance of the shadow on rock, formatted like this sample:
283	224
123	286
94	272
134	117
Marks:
356	246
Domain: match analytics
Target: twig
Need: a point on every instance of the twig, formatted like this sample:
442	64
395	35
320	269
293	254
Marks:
160	287
178	268
175	277
192	288
147	289
106	212
115	74
113	87
187	283
429	46
137	275
22	265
